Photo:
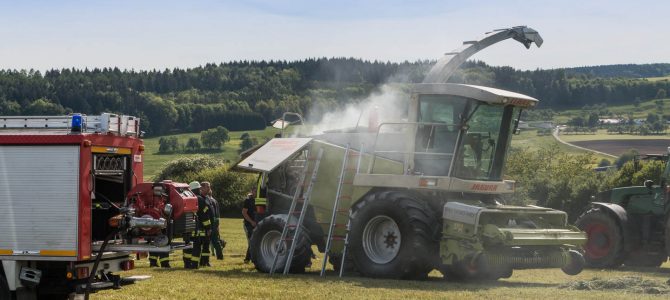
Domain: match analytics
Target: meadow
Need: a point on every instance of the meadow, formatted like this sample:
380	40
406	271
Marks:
232	279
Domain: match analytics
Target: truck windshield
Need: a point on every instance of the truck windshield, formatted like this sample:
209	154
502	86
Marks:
484	143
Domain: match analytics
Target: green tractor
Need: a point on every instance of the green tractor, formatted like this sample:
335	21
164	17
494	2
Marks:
630	225
402	198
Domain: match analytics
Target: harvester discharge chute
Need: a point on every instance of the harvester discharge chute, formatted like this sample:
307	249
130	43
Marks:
414	195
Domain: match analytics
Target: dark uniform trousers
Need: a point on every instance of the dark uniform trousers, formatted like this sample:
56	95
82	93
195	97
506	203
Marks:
162	258
188	253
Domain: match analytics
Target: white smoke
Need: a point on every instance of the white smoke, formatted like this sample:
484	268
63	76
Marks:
388	104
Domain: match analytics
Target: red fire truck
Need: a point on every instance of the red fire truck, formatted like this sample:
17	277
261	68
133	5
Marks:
73	205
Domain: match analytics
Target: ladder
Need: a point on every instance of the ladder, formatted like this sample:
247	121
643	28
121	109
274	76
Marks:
292	212
349	172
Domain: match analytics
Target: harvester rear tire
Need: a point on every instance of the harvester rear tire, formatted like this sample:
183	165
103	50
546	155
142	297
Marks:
266	234
604	245
394	235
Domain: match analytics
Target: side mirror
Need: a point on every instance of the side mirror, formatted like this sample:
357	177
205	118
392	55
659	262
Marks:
648	183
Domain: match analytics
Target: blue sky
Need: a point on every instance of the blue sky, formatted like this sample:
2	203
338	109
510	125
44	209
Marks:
166	34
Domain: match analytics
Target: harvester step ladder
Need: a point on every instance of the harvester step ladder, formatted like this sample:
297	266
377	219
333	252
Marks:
304	200
336	209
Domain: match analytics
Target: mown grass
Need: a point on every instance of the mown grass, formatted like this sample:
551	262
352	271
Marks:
232	279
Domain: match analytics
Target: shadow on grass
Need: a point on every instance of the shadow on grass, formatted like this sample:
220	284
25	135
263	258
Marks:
432	283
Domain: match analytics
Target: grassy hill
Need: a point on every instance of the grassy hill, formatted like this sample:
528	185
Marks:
154	161
641	112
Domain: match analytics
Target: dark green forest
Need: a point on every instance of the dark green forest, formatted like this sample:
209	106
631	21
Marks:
246	95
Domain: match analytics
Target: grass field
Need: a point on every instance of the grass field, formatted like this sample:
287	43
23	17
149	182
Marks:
640	112
232	279
153	161
603	135
528	139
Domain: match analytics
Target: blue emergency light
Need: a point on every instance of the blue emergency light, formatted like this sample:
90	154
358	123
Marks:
76	123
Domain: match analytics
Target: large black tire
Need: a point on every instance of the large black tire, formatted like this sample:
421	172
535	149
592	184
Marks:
264	242
645	259
394	235
604	245
667	236
5	293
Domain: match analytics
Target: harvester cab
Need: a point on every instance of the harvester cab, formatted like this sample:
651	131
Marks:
413	195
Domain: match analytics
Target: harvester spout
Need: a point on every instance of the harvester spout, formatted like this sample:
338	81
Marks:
448	64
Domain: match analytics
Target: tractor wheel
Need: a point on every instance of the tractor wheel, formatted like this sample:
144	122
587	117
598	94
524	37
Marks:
667	236
604	245
394	235
644	259
5	293
265	241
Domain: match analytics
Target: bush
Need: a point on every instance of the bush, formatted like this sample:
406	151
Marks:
552	178
229	188
604	163
183	168
625	157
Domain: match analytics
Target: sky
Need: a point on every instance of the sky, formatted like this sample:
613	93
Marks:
145	35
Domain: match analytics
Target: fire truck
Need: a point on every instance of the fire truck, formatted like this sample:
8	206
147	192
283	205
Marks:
74	207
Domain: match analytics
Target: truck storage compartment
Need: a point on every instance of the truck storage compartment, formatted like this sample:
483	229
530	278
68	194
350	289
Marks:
39	196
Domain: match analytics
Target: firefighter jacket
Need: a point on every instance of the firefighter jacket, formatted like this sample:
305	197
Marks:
204	215
214	206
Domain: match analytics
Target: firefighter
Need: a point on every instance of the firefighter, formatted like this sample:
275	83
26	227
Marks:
209	210
249	222
162	258
215	240
203	229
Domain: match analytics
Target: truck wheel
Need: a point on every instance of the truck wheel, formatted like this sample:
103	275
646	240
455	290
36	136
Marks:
5	293
604	245
264	243
394	236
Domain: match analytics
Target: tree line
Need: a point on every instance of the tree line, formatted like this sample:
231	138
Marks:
247	95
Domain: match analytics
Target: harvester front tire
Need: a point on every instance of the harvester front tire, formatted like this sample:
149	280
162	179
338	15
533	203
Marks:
394	235
264	242
604	245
